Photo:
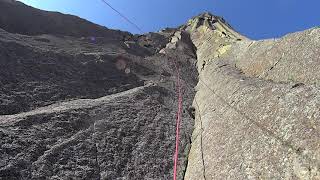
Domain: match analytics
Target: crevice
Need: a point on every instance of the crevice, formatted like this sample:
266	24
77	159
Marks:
265	74
297	85
200	133
250	43
201	139
191	112
297	150
223	65
272	67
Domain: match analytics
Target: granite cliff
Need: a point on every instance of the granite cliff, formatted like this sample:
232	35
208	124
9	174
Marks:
80	101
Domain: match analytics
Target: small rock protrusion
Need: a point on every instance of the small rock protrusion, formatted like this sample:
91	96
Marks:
191	112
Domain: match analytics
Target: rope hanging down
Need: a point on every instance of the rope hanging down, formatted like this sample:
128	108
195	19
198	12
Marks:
178	121
123	16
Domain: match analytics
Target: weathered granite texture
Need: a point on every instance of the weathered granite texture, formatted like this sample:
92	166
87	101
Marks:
257	106
81	101
90	105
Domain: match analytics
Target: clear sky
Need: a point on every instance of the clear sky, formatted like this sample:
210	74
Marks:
257	19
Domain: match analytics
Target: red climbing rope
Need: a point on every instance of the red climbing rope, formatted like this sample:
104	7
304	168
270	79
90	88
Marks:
178	120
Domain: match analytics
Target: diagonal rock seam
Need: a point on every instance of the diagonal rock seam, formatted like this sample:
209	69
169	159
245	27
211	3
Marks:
297	150
265	74
201	139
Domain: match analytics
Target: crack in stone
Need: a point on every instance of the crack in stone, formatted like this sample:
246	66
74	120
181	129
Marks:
265	130
275	64
272	67
201	140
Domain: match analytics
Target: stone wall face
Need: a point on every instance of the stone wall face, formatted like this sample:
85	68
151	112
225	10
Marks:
95	103
90	104
252	121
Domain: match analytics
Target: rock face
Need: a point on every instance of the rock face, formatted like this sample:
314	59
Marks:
81	101
16	17
96	104
257	105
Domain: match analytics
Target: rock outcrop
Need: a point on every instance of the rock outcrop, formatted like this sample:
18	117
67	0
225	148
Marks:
88	105
257	105
80	101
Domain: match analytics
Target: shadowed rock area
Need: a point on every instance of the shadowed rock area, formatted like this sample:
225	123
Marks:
93	104
80	101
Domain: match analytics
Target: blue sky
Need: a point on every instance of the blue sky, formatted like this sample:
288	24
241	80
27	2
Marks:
256	19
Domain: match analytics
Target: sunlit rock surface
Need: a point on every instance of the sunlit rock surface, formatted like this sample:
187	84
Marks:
257	105
80	101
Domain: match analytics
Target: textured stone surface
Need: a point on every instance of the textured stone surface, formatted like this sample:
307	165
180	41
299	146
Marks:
86	102
17	17
75	106
123	136
252	120
293	58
